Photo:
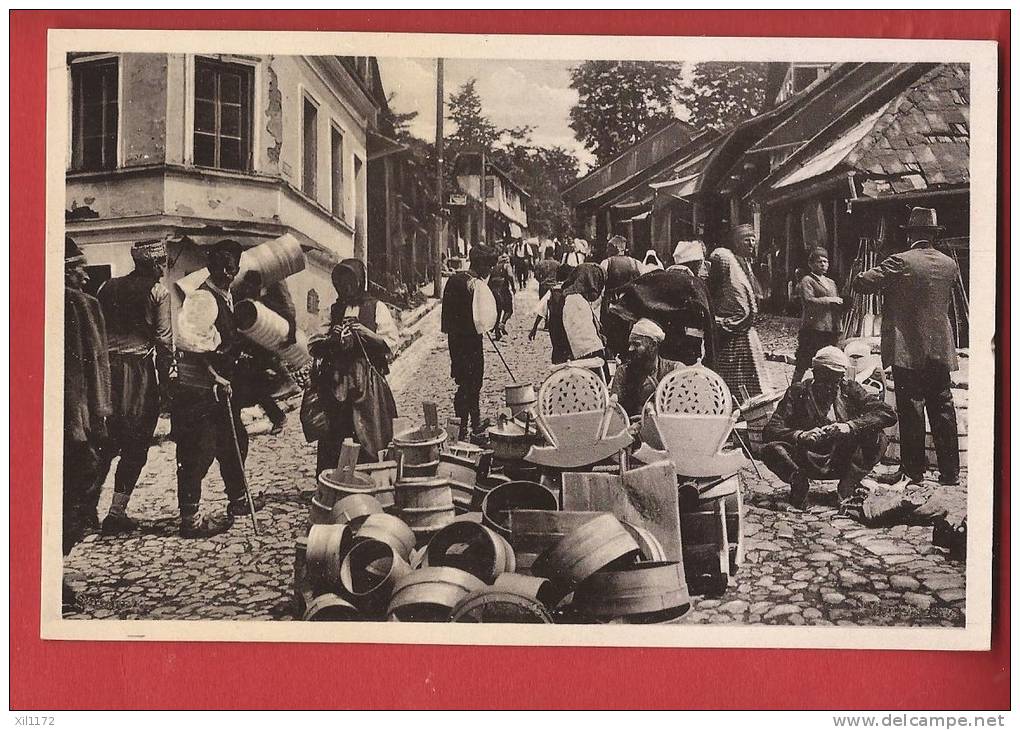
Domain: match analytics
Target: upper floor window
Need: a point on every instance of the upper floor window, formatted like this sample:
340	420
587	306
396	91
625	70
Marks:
94	115
309	146
336	166
223	103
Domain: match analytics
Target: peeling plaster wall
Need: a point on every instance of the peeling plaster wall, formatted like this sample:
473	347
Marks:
143	97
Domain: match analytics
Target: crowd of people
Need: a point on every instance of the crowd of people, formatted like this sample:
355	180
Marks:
629	321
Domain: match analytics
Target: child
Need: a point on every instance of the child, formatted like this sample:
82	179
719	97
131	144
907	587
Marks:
820	314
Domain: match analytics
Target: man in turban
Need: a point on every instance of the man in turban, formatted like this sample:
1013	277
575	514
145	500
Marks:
637	378
136	308
826	427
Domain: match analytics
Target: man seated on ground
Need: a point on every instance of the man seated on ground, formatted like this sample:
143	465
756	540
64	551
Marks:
637	378
826	427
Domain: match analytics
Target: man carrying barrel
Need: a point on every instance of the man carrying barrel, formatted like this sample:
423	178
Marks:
136	308
205	419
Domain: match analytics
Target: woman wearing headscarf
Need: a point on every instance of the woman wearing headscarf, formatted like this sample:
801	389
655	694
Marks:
580	320
361	338
735	292
651	261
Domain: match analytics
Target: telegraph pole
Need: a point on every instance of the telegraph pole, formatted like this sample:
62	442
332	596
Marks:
437	243
485	201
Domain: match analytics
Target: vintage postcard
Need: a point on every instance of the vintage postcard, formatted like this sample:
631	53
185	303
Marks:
464	339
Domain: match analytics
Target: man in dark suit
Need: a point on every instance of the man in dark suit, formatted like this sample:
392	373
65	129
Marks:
917	341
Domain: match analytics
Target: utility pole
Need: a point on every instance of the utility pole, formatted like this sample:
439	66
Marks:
437	243
485	201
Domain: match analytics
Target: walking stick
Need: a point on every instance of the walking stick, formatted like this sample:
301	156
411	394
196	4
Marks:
747	450
240	463
512	377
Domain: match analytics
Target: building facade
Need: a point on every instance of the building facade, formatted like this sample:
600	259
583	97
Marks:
193	148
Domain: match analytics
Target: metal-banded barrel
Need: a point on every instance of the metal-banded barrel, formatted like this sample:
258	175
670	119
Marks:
268	329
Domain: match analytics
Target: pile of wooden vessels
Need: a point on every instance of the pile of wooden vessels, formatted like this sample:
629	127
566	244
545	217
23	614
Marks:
556	522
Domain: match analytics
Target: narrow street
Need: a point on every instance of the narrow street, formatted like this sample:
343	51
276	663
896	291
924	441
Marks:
810	568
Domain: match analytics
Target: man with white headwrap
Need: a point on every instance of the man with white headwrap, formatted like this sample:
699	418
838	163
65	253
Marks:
638	377
136	308
826	427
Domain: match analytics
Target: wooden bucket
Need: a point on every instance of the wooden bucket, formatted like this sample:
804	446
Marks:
600	542
388	529
268	329
383	474
643	592
425	504
430	594
319	514
330	607
354	509
419	446
706	549
426	469
493	606
275	260
532	532
368	573
472	548
323	556
528	586
500	501
334	485
520	397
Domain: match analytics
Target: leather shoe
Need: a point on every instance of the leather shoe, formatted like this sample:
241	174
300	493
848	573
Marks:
115	524
799	486
204	527
239	508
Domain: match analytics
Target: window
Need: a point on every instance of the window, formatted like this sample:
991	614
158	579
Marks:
309	144
313	301
336	166
94	115
223	101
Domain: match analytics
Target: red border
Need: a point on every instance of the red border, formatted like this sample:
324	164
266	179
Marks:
79	675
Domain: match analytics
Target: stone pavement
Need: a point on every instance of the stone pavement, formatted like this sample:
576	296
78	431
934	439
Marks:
801	568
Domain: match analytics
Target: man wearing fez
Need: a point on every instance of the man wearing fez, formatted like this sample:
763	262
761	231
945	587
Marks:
87	401
826	427
136	308
467	360
205	419
917	341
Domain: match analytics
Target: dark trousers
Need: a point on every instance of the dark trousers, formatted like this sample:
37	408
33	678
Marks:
80	484
917	391
809	342
848	459
467	367
201	427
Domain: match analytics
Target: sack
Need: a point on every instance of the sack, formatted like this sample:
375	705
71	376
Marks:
483	307
314	420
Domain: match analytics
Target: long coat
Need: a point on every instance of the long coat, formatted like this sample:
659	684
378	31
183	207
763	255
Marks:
917	287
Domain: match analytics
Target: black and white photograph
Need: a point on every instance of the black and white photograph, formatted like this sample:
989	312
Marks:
665	341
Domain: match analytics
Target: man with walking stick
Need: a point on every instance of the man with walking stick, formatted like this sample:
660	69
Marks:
205	420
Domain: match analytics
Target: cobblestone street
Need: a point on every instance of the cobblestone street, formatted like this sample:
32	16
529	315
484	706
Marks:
801	568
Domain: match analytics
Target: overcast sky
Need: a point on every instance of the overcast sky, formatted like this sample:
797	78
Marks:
513	93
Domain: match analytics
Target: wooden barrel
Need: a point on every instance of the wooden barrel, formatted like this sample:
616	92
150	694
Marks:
326	546
368	573
642	593
319	514
268	329
651	548
706	549
500	501
382	474
520	397
426	469
330	607
599	542
532	532
388	529
275	260
484	485
458	468
528	586
425	504
419	446
334	486
756	413
473	548
354	509
430	594
493	606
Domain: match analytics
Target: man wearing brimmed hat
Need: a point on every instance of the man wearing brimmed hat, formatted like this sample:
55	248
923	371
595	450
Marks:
917	341
137	312
467	359
826	427
86	399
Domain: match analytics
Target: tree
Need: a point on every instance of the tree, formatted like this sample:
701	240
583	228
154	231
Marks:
721	95
474	129
621	101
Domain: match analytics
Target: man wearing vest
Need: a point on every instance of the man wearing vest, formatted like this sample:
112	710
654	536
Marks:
136	308
202	424
467	360
917	341
620	269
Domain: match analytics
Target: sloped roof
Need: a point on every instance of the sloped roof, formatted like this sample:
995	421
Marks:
918	140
